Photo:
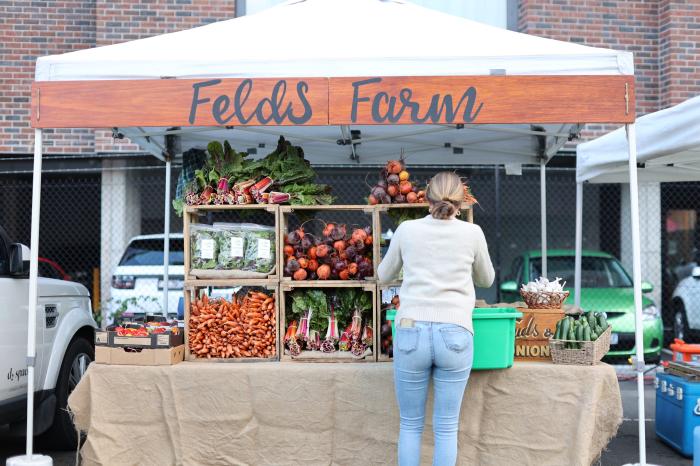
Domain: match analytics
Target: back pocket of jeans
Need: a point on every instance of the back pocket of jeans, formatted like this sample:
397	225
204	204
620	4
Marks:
407	339
456	338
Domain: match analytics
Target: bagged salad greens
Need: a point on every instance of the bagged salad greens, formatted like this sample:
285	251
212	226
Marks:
231	238
204	246
260	248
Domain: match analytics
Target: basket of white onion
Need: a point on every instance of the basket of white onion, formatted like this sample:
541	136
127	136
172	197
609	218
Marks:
544	294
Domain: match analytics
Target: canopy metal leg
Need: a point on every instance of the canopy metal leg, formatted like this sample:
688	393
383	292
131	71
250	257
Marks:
33	291
637	279
543	214
166	238
579	244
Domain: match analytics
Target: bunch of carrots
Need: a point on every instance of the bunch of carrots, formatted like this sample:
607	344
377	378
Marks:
240	328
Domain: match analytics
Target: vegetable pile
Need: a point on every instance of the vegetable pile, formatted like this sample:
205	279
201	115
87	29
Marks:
316	319
233	246
240	328
394	186
339	253
588	327
139	330
230	177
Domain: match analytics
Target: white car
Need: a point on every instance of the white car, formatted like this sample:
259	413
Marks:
138	279
64	341
686	306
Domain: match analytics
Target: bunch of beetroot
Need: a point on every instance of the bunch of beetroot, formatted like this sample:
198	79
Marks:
339	254
394	186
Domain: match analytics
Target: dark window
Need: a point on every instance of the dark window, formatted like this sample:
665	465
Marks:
150	252
596	272
516	270
48	271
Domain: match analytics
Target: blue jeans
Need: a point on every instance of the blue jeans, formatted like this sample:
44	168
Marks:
445	351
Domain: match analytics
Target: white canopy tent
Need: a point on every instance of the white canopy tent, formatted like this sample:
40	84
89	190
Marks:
346	38
669	151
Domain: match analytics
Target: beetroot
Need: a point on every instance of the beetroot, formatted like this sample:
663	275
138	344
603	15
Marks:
294	238
293	265
381	184
400	199
307	242
351	252
378	192
392	179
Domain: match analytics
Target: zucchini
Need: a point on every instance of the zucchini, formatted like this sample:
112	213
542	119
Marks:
557	332
579	333
590	317
602	321
571	337
586	333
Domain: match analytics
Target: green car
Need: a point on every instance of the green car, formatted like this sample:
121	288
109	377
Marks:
605	286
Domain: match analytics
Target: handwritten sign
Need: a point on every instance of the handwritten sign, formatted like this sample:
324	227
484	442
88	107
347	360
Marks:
533	331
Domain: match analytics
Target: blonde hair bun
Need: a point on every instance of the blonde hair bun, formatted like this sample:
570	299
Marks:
445	194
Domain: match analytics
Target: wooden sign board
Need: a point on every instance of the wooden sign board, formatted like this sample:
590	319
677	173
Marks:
481	99
180	102
333	101
533	331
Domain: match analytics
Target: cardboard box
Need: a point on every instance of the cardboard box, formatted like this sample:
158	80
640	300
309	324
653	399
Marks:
144	357
156	340
533	331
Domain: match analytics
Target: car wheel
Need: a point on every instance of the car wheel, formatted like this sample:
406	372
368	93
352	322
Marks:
680	323
62	434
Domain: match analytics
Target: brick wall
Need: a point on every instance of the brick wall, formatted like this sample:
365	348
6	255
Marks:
664	36
29	29
679	34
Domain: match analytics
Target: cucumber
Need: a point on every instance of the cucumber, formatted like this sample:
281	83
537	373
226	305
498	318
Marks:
586	333
557	332
579	333
571	337
602	321
590	317
565	325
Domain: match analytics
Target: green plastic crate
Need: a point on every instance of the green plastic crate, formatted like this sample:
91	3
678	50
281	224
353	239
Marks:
494	337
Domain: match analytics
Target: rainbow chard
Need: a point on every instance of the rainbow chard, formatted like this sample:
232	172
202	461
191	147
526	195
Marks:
278	198
367	335
207	196
356	326
222	186
261	186
230	198
344	344
303	329
219	199
191	198
314	342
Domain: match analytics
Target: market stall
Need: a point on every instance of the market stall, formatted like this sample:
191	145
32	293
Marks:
458	92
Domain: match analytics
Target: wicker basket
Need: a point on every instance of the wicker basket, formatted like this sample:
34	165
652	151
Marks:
590	353
544	299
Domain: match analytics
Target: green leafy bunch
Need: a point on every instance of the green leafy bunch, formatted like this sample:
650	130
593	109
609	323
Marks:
315	301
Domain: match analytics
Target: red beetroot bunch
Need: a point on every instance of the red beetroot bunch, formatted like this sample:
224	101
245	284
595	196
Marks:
394	186
339	254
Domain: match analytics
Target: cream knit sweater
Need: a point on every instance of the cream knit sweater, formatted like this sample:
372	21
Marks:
442	260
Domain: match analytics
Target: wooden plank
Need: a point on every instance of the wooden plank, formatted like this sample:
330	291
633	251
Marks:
325	207
268	207
180	102
417	205
291	284
269	283
481	99
533	331
186	240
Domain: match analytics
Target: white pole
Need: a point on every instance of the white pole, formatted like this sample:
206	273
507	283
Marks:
543	214
33	295
637	279
579	244
166	238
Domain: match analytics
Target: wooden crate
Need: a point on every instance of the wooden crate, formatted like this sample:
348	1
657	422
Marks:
533	331
381	357
190	216
192	288
286	288
382	210
287	210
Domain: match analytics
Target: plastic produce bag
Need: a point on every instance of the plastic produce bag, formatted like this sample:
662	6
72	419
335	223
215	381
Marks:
260	248
232	246
204	247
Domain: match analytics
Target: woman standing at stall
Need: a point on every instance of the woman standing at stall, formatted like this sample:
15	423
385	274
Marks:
442	259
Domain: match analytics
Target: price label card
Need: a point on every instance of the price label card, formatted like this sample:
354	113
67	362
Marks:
264	248
206	248
236	247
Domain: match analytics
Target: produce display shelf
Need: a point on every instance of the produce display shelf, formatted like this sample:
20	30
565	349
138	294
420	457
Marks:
287	210
317	356
468	208
191	291
290	282
190	216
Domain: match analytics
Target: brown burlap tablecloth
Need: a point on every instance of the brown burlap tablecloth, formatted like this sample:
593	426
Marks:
334	414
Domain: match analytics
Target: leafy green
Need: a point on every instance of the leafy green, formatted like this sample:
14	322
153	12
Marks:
231	243
315	301
205	248
260	250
